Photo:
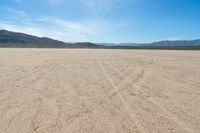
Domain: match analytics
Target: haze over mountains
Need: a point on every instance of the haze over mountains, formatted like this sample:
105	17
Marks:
14	39
160	43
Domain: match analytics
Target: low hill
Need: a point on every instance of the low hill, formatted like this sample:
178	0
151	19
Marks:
15	39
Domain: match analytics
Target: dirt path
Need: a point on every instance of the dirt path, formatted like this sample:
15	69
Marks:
79	90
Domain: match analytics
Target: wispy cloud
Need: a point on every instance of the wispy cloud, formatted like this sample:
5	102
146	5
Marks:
68	25
26	29
48	26
47	32
86	29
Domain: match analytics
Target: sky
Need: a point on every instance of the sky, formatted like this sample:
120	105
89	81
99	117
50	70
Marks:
111	21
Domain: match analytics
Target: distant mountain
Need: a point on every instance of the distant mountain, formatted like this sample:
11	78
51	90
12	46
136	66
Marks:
158	43
163	43
8	37
179	45
175	43
15	39
118	44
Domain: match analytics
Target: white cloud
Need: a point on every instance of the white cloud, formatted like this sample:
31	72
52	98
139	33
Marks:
70	30
41	32
89	29
69	25
52	27
24	29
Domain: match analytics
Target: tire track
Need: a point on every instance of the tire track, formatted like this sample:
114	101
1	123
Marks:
126	106
171	116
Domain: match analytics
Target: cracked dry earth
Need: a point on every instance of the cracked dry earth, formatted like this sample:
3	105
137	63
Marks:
99	91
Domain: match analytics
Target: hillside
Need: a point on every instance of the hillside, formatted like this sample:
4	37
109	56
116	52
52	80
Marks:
14	39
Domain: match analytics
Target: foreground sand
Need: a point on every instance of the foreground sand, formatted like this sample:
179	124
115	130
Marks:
99	91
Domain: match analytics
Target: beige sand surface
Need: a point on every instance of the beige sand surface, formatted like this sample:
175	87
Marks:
99	91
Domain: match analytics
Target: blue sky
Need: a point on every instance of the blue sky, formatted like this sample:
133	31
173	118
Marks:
103	20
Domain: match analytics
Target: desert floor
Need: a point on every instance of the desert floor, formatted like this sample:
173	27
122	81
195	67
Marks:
99	91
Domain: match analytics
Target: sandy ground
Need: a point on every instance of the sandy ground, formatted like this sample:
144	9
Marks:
99	91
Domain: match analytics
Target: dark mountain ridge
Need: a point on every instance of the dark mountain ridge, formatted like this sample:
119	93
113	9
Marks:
15	39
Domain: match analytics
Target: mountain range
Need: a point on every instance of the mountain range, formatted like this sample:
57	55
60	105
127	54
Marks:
15	39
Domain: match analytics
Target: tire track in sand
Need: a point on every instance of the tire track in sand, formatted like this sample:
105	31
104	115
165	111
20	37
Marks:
169	114
126	106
